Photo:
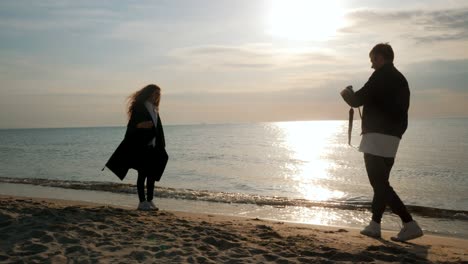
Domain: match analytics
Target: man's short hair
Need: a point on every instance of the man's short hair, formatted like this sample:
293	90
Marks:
383	49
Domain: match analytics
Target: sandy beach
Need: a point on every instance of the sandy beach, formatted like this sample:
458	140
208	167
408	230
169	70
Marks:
34	230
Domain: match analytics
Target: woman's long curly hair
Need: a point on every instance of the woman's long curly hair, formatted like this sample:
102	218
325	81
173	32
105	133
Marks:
142	95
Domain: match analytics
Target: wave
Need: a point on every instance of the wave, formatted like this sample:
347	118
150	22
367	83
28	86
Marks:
225	197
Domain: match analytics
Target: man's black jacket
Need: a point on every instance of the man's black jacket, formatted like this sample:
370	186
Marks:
386	98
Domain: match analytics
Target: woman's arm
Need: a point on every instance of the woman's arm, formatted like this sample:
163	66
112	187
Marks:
140	118
139	129
145	124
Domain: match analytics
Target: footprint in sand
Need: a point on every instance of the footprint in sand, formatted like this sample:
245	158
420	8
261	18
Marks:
67	240
266	232
43	236
270	257
140	255
111	248
47	239
76	250
220	243
107	242
33	248
101	227
89	233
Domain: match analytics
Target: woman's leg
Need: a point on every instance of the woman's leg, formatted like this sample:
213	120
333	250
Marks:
141	186
150	188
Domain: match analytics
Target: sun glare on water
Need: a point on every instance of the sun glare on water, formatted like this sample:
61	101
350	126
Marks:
305	19
308	144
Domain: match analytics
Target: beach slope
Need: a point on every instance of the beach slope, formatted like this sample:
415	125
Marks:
40	230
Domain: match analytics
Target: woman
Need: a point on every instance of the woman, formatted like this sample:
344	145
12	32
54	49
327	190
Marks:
143	147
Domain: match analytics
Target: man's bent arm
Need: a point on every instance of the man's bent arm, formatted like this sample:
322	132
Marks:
350	98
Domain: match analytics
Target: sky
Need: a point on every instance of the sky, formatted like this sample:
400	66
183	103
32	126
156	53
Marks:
74	63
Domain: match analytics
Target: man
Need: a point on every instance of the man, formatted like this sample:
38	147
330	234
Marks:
385	101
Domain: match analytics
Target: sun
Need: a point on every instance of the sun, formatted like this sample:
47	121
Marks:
305	19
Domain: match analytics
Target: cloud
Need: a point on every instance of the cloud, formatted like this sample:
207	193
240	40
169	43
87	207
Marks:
260	56
243	51
41	16
439	75
216	56
418	25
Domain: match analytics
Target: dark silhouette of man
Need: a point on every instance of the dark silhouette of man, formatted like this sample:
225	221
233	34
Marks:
385	99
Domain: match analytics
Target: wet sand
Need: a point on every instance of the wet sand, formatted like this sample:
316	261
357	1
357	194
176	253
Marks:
35	230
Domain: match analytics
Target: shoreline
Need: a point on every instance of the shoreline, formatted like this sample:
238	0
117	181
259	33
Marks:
292	214
36	229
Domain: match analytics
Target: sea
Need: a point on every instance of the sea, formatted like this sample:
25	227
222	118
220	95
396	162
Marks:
302	171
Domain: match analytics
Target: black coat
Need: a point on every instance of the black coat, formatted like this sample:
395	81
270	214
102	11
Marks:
134	152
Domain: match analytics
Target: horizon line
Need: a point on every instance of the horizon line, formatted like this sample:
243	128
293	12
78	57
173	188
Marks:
220	123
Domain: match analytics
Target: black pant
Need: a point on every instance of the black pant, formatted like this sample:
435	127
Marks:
378	171
141	187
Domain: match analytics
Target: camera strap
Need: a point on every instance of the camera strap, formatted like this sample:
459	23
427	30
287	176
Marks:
350	124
